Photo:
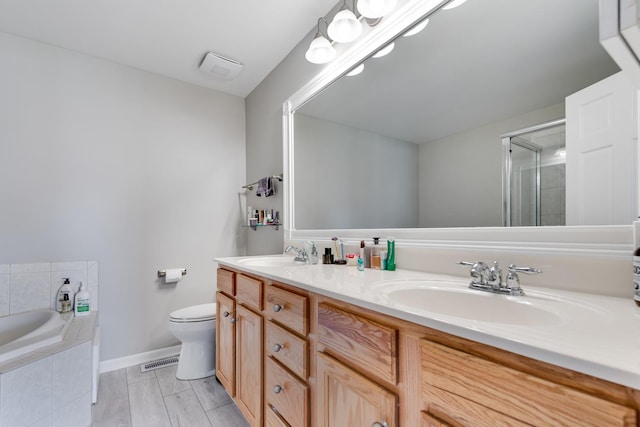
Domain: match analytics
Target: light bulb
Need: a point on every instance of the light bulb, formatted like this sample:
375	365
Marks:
345	27
454	3
375	8
320	51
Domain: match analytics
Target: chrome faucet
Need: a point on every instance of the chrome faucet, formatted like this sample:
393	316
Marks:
489	279
301	254
307	254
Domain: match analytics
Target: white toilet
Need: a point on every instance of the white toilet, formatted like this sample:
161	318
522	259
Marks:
195	327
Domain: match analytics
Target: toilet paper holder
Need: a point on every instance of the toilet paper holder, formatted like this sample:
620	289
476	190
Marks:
163	273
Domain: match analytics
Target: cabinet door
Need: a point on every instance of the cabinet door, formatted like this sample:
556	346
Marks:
428	420
226	342
346	398
249	351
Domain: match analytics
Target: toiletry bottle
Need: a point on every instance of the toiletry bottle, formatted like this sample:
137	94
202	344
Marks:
360	264
82	301
375	254
383	260
362	249
65	289
327	258
391	254
66	304
636	276
367	256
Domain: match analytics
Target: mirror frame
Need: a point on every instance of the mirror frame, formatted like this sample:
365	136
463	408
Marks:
606	240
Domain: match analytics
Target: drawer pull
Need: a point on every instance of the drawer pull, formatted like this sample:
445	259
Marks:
226	314
277	389
233	320
277	347
380	424
278	307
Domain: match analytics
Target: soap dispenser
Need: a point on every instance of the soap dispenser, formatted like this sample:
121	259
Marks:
65	291
82	301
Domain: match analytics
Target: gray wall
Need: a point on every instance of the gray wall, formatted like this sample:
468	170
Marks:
461	175
338	167
264	137
139	172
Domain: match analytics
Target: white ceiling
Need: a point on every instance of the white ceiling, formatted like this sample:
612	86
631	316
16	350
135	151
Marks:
170	38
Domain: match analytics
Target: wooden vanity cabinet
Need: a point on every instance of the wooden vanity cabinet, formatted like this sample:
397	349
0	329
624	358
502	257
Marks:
226	342
292	358
357	369
287	362
464	389
239	342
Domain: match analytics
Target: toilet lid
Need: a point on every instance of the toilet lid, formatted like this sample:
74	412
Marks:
195	313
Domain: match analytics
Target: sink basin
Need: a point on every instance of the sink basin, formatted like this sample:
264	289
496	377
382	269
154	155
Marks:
455	299
270	261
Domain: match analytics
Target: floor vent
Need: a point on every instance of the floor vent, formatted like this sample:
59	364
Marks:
157	364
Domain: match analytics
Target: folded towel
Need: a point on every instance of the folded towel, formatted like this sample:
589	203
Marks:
265	187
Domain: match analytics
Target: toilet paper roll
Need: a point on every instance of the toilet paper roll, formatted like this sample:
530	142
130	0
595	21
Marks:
173	275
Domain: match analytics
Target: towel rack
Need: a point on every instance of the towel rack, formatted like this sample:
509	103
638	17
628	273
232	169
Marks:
250	186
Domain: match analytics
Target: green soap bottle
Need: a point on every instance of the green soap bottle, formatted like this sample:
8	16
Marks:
391	254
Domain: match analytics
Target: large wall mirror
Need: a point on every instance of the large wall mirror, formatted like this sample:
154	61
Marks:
415	139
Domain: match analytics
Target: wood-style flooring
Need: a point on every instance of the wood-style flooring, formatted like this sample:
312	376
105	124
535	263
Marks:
130	398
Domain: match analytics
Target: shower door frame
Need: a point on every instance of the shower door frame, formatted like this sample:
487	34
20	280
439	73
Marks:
506	166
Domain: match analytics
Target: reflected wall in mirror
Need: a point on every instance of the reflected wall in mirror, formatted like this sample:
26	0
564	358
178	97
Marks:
414	141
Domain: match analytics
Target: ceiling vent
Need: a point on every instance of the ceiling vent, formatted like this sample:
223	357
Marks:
220	67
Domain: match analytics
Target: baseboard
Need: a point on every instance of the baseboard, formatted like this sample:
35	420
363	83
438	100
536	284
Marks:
137	359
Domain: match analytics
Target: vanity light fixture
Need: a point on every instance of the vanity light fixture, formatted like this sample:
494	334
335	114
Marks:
416	28
344	27
320	50
356	70
375	8
385	50
453	4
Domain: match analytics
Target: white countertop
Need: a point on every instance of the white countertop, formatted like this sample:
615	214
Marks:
593	334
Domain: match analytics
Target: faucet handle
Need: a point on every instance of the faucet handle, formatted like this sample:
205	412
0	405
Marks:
513	281
478	271
526	270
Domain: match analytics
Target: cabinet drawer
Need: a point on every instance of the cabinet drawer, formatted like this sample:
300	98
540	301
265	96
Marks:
272	419
288	349
288	309
226	282
249	291
286	394
369	344
466	385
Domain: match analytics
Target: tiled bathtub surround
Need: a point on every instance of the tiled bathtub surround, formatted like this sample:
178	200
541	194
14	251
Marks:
51	387
26	287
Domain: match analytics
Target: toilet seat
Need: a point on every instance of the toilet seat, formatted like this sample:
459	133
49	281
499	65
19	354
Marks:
195	313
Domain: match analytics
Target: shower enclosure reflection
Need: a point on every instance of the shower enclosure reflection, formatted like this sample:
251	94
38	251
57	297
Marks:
535	160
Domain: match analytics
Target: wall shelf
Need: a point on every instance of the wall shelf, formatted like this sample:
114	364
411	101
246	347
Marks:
275	226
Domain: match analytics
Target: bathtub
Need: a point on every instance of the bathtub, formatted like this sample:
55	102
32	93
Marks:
27	332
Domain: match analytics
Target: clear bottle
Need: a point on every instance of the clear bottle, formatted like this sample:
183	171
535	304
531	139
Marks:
375	254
